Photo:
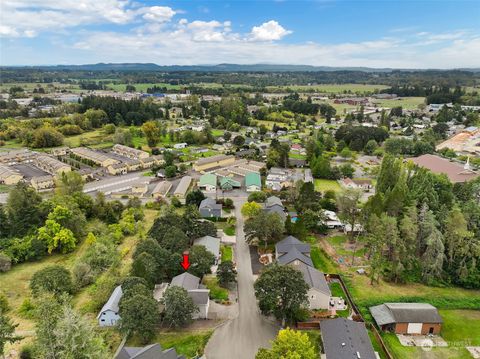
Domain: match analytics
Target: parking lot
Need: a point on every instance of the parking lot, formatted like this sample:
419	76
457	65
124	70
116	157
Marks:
29	171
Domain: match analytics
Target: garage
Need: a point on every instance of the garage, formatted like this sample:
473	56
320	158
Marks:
414	328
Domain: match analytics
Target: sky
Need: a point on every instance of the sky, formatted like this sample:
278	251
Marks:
381	33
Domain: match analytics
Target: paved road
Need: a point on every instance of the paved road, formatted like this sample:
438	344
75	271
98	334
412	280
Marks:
243	336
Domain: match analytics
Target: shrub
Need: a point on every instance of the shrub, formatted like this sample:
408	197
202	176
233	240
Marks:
27	309
5	262
54	279
82	275
4	307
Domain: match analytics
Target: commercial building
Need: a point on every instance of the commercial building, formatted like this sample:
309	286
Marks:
182	188
16	156
42	182
51	165
161	189
212	162
95	157
208	182
455	172
129	152
9	176
253	182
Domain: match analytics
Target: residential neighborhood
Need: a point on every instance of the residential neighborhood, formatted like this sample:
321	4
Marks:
239	180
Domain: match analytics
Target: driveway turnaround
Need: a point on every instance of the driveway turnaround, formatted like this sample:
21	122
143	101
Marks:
243	336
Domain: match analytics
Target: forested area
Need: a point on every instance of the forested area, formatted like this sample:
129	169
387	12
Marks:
421	228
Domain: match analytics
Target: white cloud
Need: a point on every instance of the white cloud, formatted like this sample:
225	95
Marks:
159	13
269	31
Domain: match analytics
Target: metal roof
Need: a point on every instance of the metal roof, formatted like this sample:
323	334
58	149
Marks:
346	339
405	313
183	186
208	179
253	179
113	301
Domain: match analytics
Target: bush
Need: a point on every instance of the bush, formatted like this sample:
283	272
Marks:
28	352
5	263
82	275
259	197
4	307
27	309
54	279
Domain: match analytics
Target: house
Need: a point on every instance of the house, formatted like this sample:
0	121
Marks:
95	157
140	189
348	183
332	220
42	182
319	293
354	101
179	146
199	294
208	182
455	172
212	245
152	351
60	151
147	162
129	152
182	188
9	176
207	163
161	189
345	339
108	316
274	204
364	184
228	184
291	251
209	208
253	182
407	318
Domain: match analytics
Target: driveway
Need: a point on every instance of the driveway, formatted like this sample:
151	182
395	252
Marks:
243	336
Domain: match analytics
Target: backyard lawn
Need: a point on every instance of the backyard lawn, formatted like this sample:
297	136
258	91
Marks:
227	253
322	185
321	261
217	293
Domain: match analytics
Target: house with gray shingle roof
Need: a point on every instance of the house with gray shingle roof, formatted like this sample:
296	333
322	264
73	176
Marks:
345	339
209	208
319	293
152	351
199	294
108	316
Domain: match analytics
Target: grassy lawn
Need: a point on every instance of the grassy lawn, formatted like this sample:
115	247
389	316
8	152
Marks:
217	293
229	231
322	185
321	261
461	326
336	290
4	188
407	103
95	138
191	344
315	339
297	156
401	352
227	253
216	132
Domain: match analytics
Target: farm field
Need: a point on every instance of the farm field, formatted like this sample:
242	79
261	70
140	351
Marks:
407	103
332	88
322	185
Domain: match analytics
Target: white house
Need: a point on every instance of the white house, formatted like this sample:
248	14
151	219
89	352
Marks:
108	316
179	146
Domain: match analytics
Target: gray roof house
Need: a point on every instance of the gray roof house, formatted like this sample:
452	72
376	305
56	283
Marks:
319	293
212	244
345	339
274	204
295	258
290	242
152	351
209	208
108	316
199	294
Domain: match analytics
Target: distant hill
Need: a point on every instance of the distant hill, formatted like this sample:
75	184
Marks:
215	68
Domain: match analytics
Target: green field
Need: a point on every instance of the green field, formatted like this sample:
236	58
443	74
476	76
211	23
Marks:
408	103
322	185
321	261
332	88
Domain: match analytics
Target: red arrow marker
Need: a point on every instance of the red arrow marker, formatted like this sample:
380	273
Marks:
185	264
